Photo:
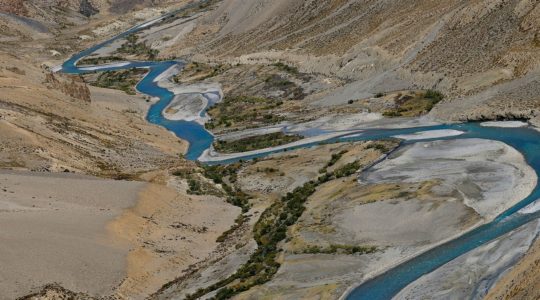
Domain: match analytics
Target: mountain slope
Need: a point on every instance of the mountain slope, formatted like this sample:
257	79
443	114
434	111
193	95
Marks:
463	48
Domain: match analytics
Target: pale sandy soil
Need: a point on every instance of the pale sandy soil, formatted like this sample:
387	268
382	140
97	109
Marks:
489	176
54	230
128	238
434	134
168	231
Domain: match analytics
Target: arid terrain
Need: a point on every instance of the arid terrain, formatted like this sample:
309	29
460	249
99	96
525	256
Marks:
99	202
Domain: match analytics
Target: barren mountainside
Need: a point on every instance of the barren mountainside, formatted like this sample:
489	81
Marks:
463	48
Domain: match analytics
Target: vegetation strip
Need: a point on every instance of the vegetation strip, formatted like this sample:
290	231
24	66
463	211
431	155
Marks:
134	47
93	61
256	142
270	230
413	105
120	80
342	249
243	110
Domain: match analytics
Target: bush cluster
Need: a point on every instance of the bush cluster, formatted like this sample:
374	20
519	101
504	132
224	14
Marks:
256	142
132	46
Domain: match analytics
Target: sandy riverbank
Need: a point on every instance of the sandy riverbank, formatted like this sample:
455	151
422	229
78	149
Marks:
190	101
434	134
489	175
504	124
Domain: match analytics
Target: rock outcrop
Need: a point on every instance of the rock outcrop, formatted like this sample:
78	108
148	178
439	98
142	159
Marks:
87	9
15	7
70	85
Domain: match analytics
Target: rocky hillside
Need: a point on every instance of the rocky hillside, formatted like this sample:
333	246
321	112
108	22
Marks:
16	7
86	8
463	48
55	122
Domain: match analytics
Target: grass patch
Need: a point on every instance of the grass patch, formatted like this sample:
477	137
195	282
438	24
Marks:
226	176
339	249
132	46
195	71
378	146
256	142
286	68
243	111
90	61
414	104
125	80
223	175
276	81
333	160
197	185
237	224
347	169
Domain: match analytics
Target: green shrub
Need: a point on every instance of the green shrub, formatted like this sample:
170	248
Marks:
377	146
435	96
256	142
124	80
133	47
286	68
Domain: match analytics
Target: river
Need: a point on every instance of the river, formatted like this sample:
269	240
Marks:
388	284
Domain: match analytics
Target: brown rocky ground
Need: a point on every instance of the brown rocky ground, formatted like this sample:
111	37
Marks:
170	231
